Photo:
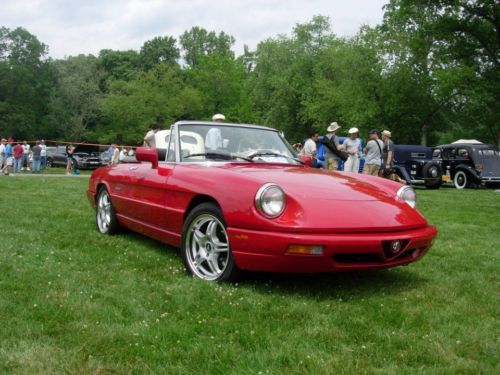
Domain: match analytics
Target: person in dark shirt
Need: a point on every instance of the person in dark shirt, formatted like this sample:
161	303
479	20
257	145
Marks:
18	157
36	152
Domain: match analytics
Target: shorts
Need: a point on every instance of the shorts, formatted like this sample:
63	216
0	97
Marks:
371	169
10	161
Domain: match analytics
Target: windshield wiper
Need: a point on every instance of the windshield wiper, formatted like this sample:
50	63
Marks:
268	153
219	155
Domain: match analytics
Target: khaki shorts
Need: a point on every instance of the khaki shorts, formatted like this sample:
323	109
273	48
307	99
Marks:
332	164
371	169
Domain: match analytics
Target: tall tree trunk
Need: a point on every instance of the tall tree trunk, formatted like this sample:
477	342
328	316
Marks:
423	140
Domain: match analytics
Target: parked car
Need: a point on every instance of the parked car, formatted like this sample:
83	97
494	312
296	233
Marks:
86	156
56	156
469	164
234	197
415	165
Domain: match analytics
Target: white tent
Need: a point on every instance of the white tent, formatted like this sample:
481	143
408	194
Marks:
470	141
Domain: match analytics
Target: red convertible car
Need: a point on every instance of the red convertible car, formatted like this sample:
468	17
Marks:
235	197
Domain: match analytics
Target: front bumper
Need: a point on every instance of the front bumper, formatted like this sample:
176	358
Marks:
266	251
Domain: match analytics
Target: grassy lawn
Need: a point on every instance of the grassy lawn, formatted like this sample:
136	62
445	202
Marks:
74	301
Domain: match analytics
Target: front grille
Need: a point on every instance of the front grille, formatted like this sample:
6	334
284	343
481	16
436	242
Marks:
357	258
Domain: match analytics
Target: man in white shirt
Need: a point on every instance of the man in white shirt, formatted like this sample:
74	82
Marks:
310	145
26	156
2	153
149	139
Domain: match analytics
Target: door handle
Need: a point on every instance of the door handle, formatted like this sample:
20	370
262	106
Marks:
133	168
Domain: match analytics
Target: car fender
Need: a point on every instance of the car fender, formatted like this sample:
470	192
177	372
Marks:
403	173
468	170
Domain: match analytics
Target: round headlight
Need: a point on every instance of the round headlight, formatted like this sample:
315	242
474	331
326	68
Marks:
408	195
270	200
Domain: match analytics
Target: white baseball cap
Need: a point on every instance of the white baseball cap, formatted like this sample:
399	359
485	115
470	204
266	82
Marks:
218	116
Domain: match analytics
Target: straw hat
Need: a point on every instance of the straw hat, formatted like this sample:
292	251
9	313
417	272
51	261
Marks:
333	126
387	133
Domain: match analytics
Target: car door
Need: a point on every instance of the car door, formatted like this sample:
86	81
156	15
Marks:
148	190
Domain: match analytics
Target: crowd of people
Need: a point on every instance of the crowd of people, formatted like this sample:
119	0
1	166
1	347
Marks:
16	156
378	152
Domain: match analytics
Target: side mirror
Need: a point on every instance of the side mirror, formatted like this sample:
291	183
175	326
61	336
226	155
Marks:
147	154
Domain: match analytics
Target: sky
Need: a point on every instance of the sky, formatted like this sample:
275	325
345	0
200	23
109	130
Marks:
87	26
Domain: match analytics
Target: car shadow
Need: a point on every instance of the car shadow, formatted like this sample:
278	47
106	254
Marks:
344	285
311	285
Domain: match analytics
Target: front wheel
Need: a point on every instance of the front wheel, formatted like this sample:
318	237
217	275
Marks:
461	180
206	251
106	220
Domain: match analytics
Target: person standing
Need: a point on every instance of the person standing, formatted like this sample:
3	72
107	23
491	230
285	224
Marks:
373	152
332	149
18	152
116	155
9	160
111	151
36	154
43	156
26	156
388	160
69	158
149	138
2	153
352	146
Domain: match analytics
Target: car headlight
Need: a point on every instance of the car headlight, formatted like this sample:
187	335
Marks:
270	200
408	195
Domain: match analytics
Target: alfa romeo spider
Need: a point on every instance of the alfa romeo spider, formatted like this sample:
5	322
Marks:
235	197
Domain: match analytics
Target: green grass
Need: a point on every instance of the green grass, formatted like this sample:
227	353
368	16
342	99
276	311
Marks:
74	301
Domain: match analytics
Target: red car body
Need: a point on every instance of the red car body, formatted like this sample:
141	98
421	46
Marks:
355	219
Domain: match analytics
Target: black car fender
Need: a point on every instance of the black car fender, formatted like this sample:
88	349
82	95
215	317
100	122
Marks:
468	170
403	173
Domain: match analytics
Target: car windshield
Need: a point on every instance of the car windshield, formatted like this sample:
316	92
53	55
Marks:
233	142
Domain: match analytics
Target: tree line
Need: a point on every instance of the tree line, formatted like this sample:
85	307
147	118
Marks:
429	73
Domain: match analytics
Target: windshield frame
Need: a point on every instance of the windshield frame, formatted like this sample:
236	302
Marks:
237	157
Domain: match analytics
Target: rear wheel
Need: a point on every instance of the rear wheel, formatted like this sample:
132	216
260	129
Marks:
49	163
206	251
461	180
106	220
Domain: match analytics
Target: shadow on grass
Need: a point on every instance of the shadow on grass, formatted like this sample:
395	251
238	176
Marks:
348	284
317	286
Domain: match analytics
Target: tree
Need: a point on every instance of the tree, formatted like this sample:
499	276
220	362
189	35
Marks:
125	65
74	105
161	49
25	83
198	42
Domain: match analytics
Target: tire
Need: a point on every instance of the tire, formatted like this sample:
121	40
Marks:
433	174
106	220
205	248
461	180
49	163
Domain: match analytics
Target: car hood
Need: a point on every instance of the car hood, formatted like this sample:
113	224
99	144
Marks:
308	183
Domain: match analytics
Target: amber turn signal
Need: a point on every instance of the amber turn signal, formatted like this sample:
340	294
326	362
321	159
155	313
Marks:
305	250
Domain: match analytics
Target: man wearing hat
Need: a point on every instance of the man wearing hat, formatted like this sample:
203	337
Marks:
387	170
352	146
331	141
373	152
218	117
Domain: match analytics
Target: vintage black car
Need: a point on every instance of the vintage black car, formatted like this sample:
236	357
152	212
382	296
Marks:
468	164
86	156
415	165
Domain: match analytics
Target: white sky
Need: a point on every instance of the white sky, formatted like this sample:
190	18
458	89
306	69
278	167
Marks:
87	26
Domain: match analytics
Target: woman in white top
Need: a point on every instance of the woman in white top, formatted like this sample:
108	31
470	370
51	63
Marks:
352	146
